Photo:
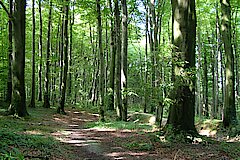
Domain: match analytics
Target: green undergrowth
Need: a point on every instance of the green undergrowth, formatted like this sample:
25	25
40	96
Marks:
29	137
119	125
20	145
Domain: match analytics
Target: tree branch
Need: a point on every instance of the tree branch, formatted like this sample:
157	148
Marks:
4	7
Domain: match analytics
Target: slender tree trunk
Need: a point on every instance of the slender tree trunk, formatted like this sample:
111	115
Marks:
101	56
113	58
199	77
40	52
118	62
124	64
65	65
10	52
32	104
146	63
18	104
70	54
229	117
46	87
205	85
181	115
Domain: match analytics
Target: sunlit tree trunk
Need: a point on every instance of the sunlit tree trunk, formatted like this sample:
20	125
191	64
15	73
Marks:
181	115
229	117
124	64
40	52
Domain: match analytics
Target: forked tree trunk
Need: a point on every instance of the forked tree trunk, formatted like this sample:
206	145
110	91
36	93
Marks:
64	82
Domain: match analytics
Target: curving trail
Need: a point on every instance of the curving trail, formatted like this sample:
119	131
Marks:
94	144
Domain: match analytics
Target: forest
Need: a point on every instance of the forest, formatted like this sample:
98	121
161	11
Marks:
119	79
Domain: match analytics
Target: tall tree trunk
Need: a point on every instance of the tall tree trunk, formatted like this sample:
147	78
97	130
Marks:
199	77
65	65
118	62
112	62
40	52
70	52
229	117
46	87
32	104
124	64
181	115
205	85
101	56
18	104
146	63
10	52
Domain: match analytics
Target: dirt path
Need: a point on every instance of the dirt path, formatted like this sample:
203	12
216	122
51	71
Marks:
109	144
94	144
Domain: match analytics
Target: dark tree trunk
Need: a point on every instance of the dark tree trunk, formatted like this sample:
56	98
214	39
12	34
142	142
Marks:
229	117
32	103
112	63
64	82
46	87
10	51
101	56
181	115
18	104
124	64
118	62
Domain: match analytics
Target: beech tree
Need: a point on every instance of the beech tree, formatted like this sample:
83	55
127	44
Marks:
181	115
229	117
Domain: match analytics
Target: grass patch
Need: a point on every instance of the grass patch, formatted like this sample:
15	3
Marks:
119	125
29	138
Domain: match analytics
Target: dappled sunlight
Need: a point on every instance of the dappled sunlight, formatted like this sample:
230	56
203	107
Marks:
34	132
124	153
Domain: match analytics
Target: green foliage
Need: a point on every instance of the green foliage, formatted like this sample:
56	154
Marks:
14	144
118	125
139	146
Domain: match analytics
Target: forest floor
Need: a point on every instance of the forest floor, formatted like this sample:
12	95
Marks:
79	136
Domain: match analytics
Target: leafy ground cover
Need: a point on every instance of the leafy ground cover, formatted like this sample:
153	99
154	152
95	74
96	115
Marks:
79	135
